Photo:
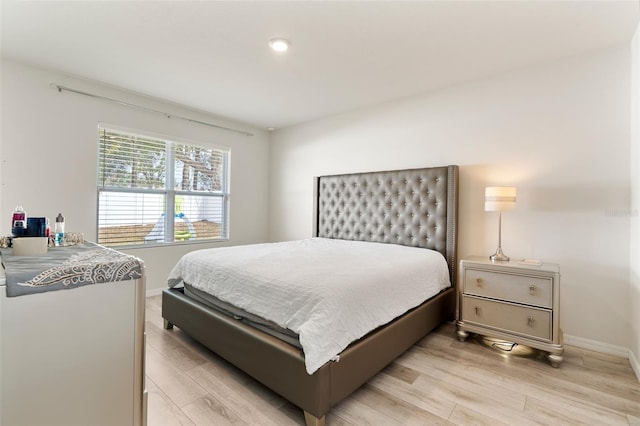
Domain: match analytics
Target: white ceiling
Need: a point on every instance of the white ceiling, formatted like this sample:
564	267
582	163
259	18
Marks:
214	56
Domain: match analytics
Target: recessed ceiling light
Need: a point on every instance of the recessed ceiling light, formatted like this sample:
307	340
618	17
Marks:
279	44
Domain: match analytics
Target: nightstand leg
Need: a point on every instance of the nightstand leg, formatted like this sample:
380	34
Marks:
461	335
555	360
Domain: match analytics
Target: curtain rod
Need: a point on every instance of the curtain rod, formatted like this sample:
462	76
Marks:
167	114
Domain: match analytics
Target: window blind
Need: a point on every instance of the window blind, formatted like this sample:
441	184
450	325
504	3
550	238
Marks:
154	191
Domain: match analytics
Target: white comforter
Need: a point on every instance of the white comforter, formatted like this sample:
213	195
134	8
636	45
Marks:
330	292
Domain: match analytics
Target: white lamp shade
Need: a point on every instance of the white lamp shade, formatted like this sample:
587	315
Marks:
499	198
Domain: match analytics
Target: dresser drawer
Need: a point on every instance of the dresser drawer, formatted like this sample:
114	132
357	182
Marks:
534	291
524	320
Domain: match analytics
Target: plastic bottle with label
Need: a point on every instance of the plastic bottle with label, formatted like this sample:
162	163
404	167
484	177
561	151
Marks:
18	222
59	230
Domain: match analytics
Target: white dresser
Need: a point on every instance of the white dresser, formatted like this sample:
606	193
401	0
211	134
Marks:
511	301
73	357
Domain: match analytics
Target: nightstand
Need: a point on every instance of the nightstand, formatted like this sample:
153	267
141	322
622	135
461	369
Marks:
513	302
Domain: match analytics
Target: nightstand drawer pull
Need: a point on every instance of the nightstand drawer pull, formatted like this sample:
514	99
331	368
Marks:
479	282
478	311
531	321
532	290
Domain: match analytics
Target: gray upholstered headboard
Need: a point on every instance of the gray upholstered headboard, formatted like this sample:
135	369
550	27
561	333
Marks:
417	207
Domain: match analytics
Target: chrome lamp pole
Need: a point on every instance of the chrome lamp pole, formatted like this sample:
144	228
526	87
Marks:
499	198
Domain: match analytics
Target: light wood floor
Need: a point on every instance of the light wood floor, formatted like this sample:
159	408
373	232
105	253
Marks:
438	381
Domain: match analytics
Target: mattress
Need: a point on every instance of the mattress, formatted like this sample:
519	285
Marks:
254	321
328	292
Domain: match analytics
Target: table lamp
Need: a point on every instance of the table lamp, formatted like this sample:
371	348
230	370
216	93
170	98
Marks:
499	198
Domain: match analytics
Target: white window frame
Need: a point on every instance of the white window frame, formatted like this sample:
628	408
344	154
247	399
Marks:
168	191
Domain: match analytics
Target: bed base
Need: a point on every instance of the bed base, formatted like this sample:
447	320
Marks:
281	367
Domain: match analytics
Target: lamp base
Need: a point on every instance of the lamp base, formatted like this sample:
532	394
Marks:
499	256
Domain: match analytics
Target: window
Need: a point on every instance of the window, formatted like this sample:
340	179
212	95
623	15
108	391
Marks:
153	191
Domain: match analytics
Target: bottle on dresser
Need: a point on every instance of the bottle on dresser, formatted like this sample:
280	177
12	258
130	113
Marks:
59	230
18	222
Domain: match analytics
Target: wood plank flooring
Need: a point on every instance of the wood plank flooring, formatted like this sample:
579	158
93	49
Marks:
438	381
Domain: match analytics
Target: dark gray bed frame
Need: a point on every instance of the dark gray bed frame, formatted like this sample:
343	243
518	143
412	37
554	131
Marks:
417	207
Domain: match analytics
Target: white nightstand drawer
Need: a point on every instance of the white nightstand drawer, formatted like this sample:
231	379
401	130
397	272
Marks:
534	291
527	321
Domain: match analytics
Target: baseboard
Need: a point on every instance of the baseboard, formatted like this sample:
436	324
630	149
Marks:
596	346
605	348
634	364
154	292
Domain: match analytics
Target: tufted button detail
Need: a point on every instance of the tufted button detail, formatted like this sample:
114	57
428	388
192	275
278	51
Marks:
396	207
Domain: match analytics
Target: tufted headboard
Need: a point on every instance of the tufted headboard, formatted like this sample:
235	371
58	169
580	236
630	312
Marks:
416	207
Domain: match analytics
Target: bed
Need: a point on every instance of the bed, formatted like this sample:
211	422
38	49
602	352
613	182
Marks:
414	208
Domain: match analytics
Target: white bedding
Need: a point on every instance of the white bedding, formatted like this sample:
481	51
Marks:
330	292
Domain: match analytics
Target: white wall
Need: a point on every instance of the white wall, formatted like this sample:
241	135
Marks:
634	260
49	154
559	132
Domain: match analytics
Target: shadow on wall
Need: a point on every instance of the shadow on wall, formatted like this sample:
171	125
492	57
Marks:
634	318
610	201
607	321
478	229
613	200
